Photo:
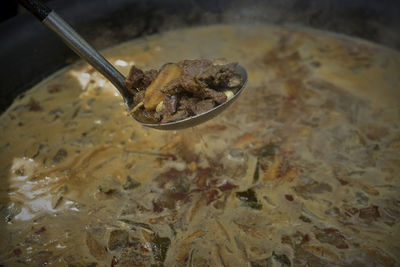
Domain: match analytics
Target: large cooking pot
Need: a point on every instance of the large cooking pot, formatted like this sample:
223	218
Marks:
29	52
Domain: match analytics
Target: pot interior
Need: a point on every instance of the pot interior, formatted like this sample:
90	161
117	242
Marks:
301	170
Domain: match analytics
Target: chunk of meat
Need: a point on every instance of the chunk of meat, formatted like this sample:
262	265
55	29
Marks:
138	97
170	103
188	104
195	67
204	106
218	97
138	79
179	115
219	75
150	75
184	89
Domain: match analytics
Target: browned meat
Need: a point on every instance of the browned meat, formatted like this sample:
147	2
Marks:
218	97
184	83
179	115
191	85
188	104
152	114
198	87
174	87
204	105
138	97
217	76
195	67
138	79
151	75
170	102
134	78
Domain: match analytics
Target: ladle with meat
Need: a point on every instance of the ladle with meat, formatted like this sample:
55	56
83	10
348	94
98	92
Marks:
179	95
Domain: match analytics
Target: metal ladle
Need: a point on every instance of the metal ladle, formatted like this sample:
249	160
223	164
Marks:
74	41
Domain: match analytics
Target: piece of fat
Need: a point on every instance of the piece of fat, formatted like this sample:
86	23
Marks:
153	95
229	94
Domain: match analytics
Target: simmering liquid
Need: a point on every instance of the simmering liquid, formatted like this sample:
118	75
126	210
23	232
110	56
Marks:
303	169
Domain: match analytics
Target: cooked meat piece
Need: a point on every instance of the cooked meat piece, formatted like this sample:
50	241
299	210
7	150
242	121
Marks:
154	115
138	97
218	97
185	83
190	84
139	79
151	75
194	68
179	115
174	87
218	76
204	105
207	75
196	88
224	76
188	104
199	75
134	78
170	103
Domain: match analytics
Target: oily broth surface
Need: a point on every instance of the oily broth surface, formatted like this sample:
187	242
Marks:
314	137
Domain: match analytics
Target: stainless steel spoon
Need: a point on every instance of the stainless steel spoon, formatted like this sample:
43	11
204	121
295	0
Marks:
74	41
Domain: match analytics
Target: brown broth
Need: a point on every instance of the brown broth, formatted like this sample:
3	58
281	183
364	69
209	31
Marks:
303	167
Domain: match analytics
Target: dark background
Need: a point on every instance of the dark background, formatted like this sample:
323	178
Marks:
8	9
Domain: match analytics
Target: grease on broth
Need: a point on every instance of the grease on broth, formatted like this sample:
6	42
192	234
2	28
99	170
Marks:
302	169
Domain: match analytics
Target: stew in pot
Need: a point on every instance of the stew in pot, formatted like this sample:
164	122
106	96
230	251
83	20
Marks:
302	170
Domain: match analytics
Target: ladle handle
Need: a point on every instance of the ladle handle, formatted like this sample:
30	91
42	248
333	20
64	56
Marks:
74	41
